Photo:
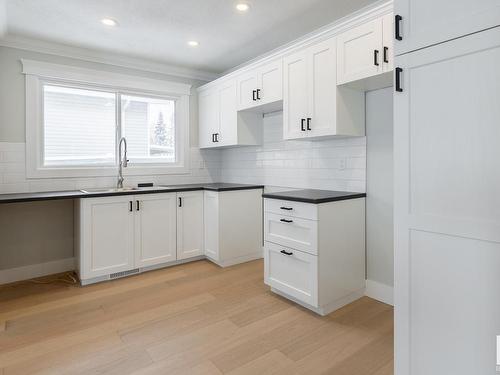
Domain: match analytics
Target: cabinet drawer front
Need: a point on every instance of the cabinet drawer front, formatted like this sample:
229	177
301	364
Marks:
292	272
290	208
297	233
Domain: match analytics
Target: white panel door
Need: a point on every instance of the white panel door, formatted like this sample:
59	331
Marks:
427	22
322	89
247	86
447	207
388	42
228	134
208	104
189	224
295	95
108	236
270	83
292	272
360	52
155	229
211	224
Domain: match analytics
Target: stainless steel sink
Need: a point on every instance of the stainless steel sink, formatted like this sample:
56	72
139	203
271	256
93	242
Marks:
108	190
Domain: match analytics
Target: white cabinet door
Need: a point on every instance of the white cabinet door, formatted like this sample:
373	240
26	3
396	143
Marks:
270	83
248	84
211	224
321	119
292	272
189	224
446	206
427	22
208	104
360	52
228	129
295	95
388	42
155	229
107	238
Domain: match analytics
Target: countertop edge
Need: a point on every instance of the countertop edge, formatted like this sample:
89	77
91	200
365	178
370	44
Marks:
314	201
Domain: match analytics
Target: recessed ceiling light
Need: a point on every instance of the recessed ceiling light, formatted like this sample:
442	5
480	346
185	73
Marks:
193	43
109	22
242	7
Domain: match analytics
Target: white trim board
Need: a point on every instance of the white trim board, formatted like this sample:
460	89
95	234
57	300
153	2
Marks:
103	57
381	292
36	270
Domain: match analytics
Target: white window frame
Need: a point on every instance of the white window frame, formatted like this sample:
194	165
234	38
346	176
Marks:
39	73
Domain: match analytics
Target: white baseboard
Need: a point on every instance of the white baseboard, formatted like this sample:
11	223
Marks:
381	292
36	270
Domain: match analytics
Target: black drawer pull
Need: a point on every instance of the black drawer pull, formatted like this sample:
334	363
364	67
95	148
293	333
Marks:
286	252
397	24
386	57
286	221
286	208
138	205
130	206
180	201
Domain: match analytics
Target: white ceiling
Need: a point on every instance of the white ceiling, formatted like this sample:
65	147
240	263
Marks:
158	30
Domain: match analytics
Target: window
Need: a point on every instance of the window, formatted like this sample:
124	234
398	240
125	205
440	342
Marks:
75	119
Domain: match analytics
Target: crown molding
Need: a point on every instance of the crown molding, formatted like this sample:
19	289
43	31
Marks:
354	19
102	57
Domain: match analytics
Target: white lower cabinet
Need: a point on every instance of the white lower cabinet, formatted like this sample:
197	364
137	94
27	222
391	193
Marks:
155	229
318	262
189	224
233	226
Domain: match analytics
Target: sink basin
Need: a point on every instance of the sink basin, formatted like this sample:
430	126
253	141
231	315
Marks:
108	190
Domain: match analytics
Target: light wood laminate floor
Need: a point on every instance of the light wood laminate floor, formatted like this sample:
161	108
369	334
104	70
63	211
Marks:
194	318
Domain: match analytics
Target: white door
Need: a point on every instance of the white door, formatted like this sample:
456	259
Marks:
447	207
360	52
208	104
388	42
189	224
211	224
108	236
270	83
228	134
295	95
155	229
247	85
321	119
427	22
292	272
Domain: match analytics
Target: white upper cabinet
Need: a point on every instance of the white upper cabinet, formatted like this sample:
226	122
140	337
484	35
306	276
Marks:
423	23
261	86
220	123
155	229
313	106
365	51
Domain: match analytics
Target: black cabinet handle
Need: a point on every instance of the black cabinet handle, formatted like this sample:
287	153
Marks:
397	25
398	79
286	208
216	137
375	57
286	252
213	137
137	205
130	206
286	221
308	123
254	92
180	201
302	127
258	94
386	57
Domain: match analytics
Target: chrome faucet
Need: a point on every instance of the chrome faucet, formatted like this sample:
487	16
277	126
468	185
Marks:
123	162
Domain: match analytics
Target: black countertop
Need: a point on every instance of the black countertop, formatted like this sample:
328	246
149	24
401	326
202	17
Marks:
71	194
313	195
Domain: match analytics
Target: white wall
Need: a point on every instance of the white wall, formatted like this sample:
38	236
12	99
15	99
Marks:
379	190
333	164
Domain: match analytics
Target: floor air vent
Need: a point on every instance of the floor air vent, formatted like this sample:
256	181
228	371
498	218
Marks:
123	273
